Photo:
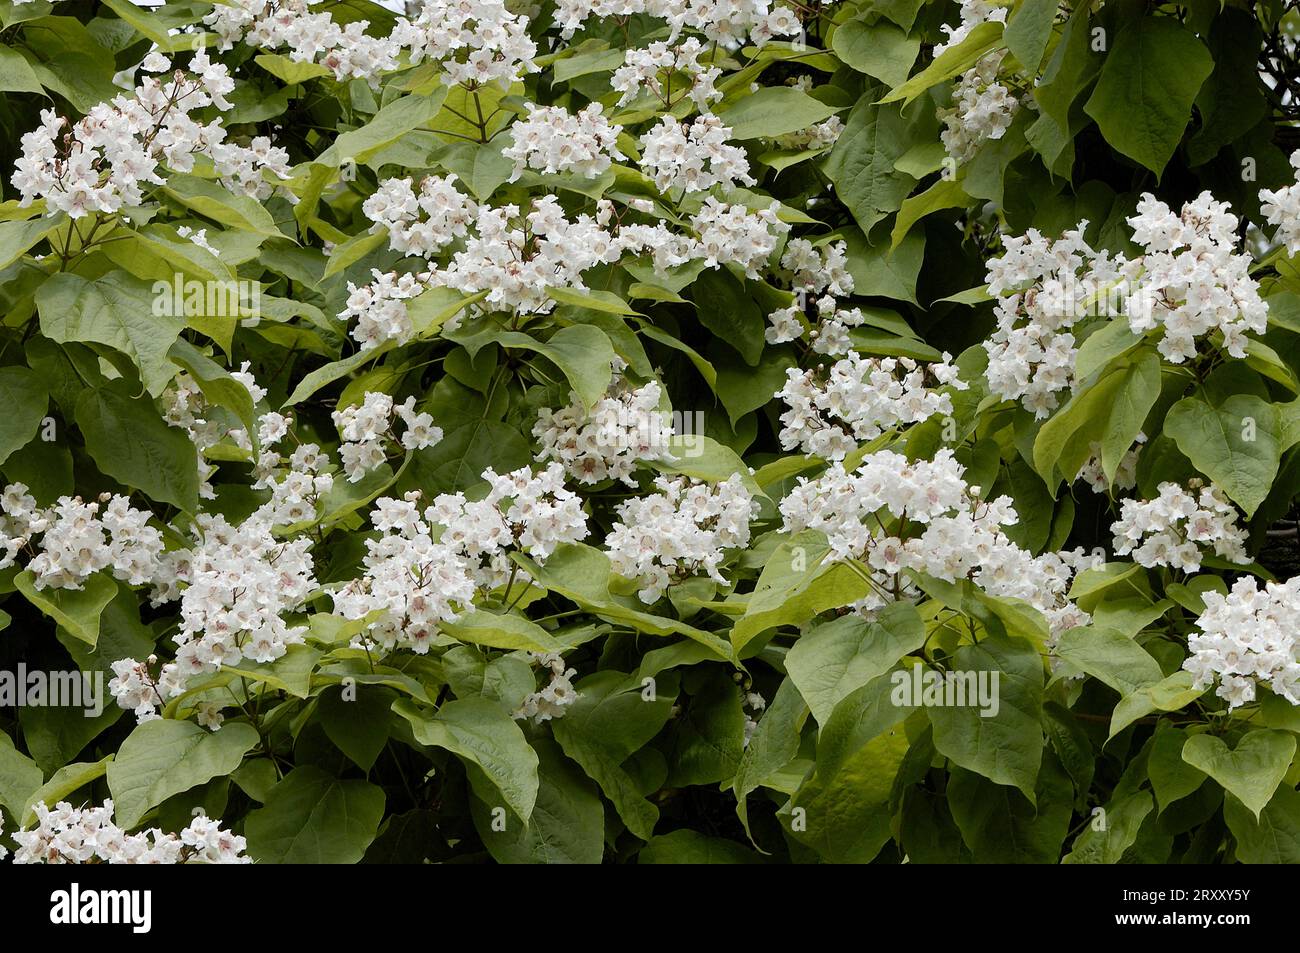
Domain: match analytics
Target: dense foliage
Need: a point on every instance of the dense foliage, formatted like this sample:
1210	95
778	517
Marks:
650	431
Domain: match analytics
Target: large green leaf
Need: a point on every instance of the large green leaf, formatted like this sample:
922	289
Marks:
164	757
1252	770
312	817
1150	78
1006	746
1235	444
131	443
115	309
489	741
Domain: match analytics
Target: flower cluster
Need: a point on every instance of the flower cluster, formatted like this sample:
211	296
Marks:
683	530
732	234
551	701
858	399
892	515
526	512
657	66
1176	528
551	139
1191	281
624	429
380	308
87	835
411	582
424	223
366	427
693	157
1043	288
1281	207
1247	638
982	109
100	163
79	539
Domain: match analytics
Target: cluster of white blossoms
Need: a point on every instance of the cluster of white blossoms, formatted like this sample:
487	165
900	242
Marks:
732	234
1190	280
78	539
728	22
973	13
186	407
1094	475
100	163
1176	528
559	693
476	42
551	139
235	585
380	308
515	257
818	136
1281	207
367	428
982	109
1246	639
608	442
523	511
892	515
817	269
693	157
87	835
420	223
348	51
683	530
858	398
657	67
1043	287
411	581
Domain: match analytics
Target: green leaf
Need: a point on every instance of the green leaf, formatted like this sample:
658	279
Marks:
1272	837
946	193
1252	770
774	111
831	660
64	781
1007	746
956	59
213	200
727	309
25	400
17	75
391	123
20	777
861	165
567	824
774	744
1001	826
77	610
1030	30
501	631
1106	844
489	741
1172	778
1149	80
311	817
1235	444
691	847
880	49
1109	656
161	758
357	724
16	238
1171	693
131	443
581	351
117	310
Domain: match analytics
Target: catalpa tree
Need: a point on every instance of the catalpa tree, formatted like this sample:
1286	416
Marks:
650	431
